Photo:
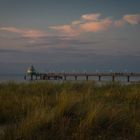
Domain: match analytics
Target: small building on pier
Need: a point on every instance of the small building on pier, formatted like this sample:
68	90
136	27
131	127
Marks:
31	71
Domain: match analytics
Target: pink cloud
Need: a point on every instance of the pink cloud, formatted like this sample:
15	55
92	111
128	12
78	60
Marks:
132	19
87	23
76	22
28	33
94	23
10	29
65	29
96	26
93	17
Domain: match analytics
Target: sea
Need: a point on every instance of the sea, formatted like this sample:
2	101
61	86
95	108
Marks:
12	77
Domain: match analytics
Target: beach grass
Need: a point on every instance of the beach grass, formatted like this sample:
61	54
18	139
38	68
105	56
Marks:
69	111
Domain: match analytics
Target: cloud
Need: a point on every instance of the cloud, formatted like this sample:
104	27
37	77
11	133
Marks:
128	19
27	33
96	26
93	22
9	51
65	29
60	42
88	23
132	19
76	22
93	17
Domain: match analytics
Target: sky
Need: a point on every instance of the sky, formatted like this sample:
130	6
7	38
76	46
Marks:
69	35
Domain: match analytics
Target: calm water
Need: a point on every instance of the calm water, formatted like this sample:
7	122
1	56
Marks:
12	77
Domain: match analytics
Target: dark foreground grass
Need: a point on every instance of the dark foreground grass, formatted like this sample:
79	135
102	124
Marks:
69	111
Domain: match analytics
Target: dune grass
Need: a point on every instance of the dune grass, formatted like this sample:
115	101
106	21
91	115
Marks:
69	111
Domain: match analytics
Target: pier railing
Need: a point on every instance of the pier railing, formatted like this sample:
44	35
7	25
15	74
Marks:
65	75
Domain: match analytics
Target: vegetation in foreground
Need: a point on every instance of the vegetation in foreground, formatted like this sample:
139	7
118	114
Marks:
69	111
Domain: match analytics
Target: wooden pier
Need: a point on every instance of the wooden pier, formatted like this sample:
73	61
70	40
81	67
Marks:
85	76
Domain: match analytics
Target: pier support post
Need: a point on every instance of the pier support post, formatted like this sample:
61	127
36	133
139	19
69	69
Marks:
87	78
128	78
113	78
31	77
24	77
99	77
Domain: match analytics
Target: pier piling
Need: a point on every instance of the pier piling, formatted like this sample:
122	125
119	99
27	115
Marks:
128	78
87	78
113	78
99	78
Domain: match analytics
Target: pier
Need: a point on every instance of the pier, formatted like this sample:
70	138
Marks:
33	75
86	76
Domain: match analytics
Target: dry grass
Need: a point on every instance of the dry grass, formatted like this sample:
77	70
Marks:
69	111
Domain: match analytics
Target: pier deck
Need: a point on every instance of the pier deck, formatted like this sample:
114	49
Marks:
75	76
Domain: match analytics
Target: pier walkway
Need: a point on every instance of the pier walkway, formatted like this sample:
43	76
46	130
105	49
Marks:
75	76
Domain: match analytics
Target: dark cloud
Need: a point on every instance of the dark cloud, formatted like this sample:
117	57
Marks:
10	51
58	40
